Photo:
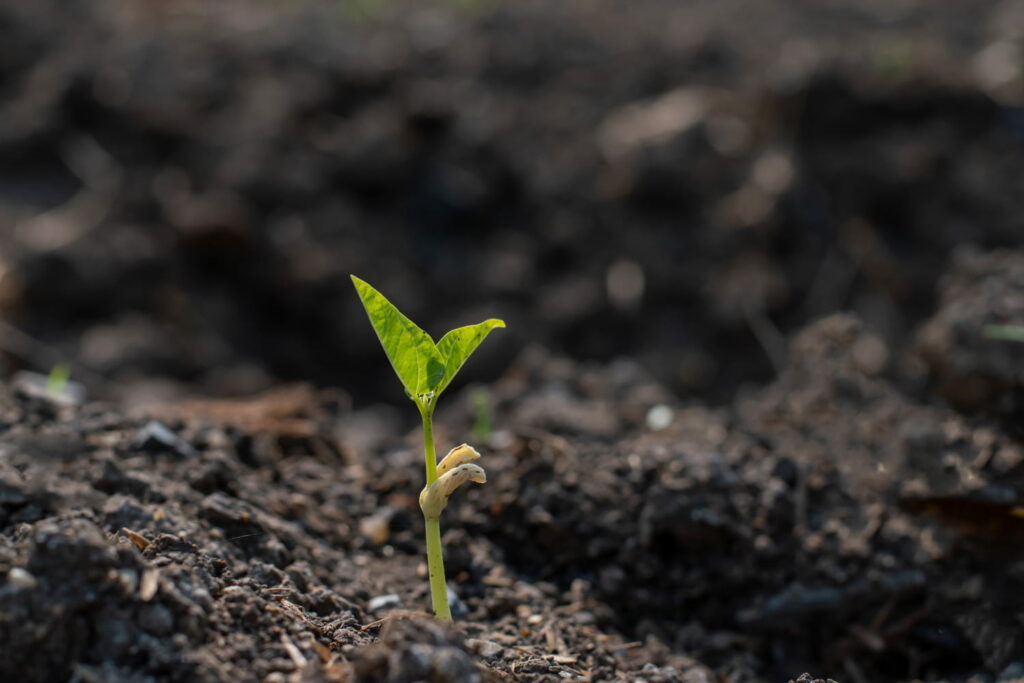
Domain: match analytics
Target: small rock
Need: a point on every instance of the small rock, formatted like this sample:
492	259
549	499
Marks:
40	386
376	528
808	678
488	649
1012	673
383	602
452	664
21	579
156	436
458	607
659	417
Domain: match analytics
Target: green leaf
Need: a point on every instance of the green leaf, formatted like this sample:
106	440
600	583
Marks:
1005	332
412	352
456	346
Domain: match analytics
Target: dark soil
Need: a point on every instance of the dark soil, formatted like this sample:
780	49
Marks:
185	190
825	523
699	469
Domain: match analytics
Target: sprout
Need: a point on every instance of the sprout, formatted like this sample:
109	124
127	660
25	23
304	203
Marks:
1005	332
483	414
425	370
57	380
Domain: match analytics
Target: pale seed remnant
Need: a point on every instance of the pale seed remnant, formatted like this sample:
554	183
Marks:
460	455
434	497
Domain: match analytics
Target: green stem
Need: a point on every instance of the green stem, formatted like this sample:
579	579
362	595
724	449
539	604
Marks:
435	555
435	566
429	455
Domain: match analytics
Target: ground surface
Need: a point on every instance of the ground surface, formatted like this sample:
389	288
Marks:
184	191
826	522
668	202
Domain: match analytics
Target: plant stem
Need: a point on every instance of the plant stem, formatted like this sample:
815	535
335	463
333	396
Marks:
435	555
429	455
435	567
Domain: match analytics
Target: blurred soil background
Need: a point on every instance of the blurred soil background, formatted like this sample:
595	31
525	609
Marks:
185	188
669	203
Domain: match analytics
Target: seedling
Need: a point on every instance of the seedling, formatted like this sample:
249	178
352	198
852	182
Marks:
1005	332
425	370
483	414
58	378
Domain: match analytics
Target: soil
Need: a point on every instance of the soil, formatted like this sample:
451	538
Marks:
827	522
744	423
187	190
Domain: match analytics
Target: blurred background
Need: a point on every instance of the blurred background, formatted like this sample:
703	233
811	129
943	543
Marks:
185	186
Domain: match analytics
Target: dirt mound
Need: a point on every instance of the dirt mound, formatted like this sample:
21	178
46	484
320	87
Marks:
826	523
970	368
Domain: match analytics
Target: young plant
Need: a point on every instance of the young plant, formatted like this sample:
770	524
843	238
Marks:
425	370
1005	332
58	378
483	414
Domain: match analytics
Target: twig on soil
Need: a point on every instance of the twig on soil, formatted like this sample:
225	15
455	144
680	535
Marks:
906	623
140	541
87	209
883	615
800	501
294	610
393	616
870	639
853	671
831	284
294	653
767	335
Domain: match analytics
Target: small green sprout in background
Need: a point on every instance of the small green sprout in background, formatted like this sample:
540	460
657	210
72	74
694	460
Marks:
425	370
58	378
483	414
1005	332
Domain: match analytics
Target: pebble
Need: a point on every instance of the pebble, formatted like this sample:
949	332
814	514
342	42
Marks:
21	579
383	602
485	648
39	386
156	436
659	417
376	528
454	665
458	607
